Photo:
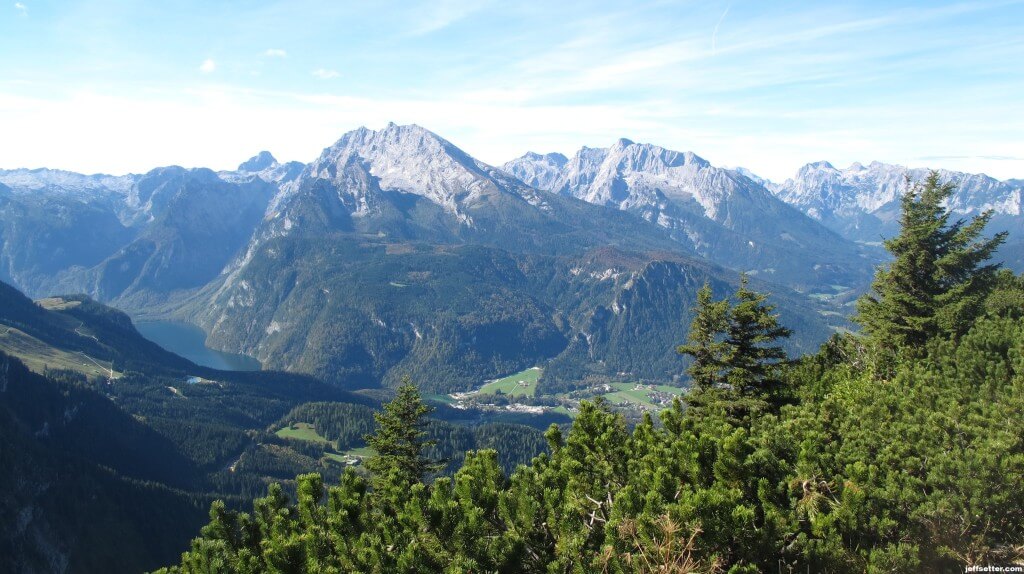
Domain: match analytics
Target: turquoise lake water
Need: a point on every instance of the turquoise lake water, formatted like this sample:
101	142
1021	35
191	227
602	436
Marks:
189	341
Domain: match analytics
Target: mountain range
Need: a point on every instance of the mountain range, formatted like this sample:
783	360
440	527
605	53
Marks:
862	203
397	253
719	214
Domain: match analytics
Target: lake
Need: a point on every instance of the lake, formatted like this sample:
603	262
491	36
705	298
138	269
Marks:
189	341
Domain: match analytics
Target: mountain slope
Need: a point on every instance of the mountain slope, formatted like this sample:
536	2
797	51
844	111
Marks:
45	238
81	453
717	213
195	223
61	510
397	253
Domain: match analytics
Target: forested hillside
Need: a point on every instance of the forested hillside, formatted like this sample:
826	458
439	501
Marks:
113	447
898	450
86	487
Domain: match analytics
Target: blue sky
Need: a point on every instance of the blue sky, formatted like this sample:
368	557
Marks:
119	86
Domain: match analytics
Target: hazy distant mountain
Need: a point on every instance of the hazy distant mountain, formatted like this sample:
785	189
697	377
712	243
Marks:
862	202
190	223
48	233
752	176
58	182
397	253
719	214
130	237
266	167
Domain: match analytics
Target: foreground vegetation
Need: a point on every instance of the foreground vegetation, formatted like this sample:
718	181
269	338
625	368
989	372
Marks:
897	451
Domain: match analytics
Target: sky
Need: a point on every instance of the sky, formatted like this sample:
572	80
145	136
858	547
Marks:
119	86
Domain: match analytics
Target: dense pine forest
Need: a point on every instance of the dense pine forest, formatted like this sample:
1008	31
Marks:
898	449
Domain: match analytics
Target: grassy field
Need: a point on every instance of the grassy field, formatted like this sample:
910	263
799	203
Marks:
361	454
57	304
301	431
629	393
38	356
363	451
523	383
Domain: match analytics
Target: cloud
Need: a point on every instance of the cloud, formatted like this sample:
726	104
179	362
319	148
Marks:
714	35
325	74
275	53
21	7
208	66
445	13
103	131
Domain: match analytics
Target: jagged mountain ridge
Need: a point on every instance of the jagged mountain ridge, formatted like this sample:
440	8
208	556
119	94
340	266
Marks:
397	252
720	214
862	202
540	171
139	236
405	182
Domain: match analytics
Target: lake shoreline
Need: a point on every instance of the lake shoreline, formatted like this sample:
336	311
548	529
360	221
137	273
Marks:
189	341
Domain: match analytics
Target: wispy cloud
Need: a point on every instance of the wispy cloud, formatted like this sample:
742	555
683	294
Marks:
714	34
21	8
445	13
840	81
325	74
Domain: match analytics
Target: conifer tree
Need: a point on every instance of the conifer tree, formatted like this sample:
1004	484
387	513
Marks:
735	359
938	281
399	440
753	359
705	341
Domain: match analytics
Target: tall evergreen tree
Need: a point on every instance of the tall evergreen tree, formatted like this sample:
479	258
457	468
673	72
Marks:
939	278
754	359
735	369
399	440
705	342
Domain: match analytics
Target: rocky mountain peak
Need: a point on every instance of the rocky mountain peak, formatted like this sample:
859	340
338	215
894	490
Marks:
258	162
410	159
537	170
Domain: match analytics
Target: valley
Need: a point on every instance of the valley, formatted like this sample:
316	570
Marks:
395	252
476	287
167	430
518	393
515	299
